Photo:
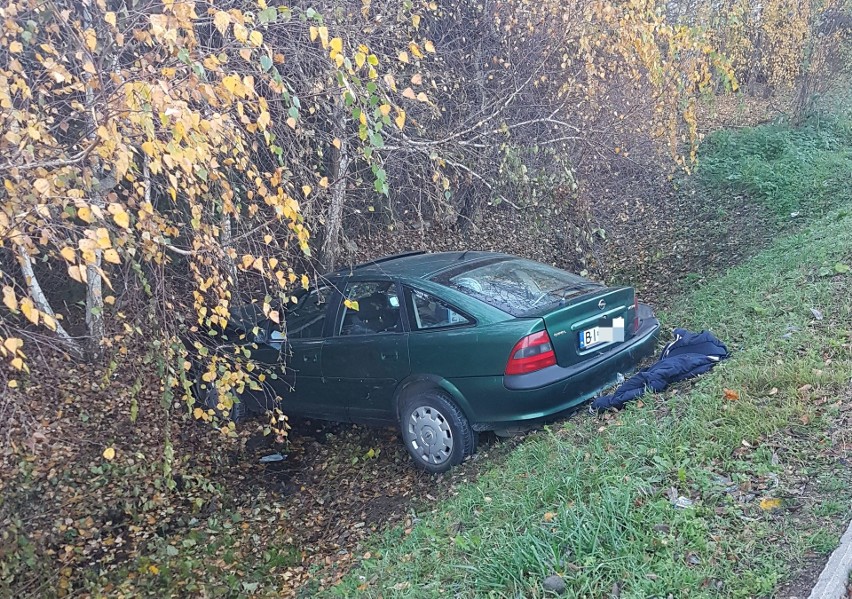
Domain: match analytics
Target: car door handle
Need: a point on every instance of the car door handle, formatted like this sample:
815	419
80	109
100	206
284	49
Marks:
390	355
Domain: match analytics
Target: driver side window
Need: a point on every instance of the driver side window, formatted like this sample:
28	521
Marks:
370	307
307	319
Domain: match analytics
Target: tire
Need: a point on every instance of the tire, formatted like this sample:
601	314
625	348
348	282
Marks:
435	431
209	399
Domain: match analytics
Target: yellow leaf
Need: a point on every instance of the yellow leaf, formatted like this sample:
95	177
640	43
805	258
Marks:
335	46
109	454
256	38
306	282
351	304
68	253
148	147
247	260
770	503
400	119
323	35
240	32
360	59
111	256
84	213
549	516
415	20
385	109
16	47
430	47
263	120
110	18
390	81
233	84
152	568
17	363
9	298
323	182
208	377
77	272
422	97
416	79
91	39
403	57
89	67
29	310
109	300
13	384
13	344
41	185
415	49
336	142
314	32
409	93
198	413
306	189
291	122
221	20
121	218
49	321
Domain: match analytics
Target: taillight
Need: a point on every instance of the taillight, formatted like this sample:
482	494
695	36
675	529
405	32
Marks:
635	314
531	353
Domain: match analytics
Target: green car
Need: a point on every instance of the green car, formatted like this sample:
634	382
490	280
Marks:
444	345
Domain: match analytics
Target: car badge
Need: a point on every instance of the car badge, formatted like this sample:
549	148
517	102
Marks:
601	304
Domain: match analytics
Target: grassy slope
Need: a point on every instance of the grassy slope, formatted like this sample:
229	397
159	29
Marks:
590	499
787	170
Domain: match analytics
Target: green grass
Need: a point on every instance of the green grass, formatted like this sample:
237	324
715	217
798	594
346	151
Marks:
787	170
589	499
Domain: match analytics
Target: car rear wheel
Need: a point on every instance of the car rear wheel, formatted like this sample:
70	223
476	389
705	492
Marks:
435	431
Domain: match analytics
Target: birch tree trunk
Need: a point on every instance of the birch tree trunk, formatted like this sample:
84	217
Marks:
40	301
334	218
94	282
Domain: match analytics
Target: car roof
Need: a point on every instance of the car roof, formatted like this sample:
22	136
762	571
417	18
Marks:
414	265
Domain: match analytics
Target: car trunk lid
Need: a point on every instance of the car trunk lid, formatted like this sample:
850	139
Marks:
593	315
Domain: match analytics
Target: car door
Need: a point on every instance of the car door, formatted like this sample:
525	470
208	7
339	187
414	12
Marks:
305	329
367	355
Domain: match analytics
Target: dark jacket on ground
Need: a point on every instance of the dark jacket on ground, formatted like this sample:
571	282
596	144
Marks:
689	355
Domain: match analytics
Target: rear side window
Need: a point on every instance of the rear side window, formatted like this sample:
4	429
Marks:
426	311
516	286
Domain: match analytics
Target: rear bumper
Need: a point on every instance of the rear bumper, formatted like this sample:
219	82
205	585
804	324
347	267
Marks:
544	395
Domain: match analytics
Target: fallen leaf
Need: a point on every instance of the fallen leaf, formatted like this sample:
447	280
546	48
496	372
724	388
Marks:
109	453
770	503
549	516
731	395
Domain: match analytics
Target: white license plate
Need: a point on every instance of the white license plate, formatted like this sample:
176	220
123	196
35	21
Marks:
597	335
591	337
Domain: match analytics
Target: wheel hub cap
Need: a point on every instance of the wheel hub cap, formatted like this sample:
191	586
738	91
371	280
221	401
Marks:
429	434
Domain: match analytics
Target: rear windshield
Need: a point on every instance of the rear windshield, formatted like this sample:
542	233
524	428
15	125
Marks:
519	287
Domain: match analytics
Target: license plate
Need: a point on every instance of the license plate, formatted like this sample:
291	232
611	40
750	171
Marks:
591	337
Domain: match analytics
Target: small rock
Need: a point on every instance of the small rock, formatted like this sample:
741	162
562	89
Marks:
554	584
273	457
683	502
